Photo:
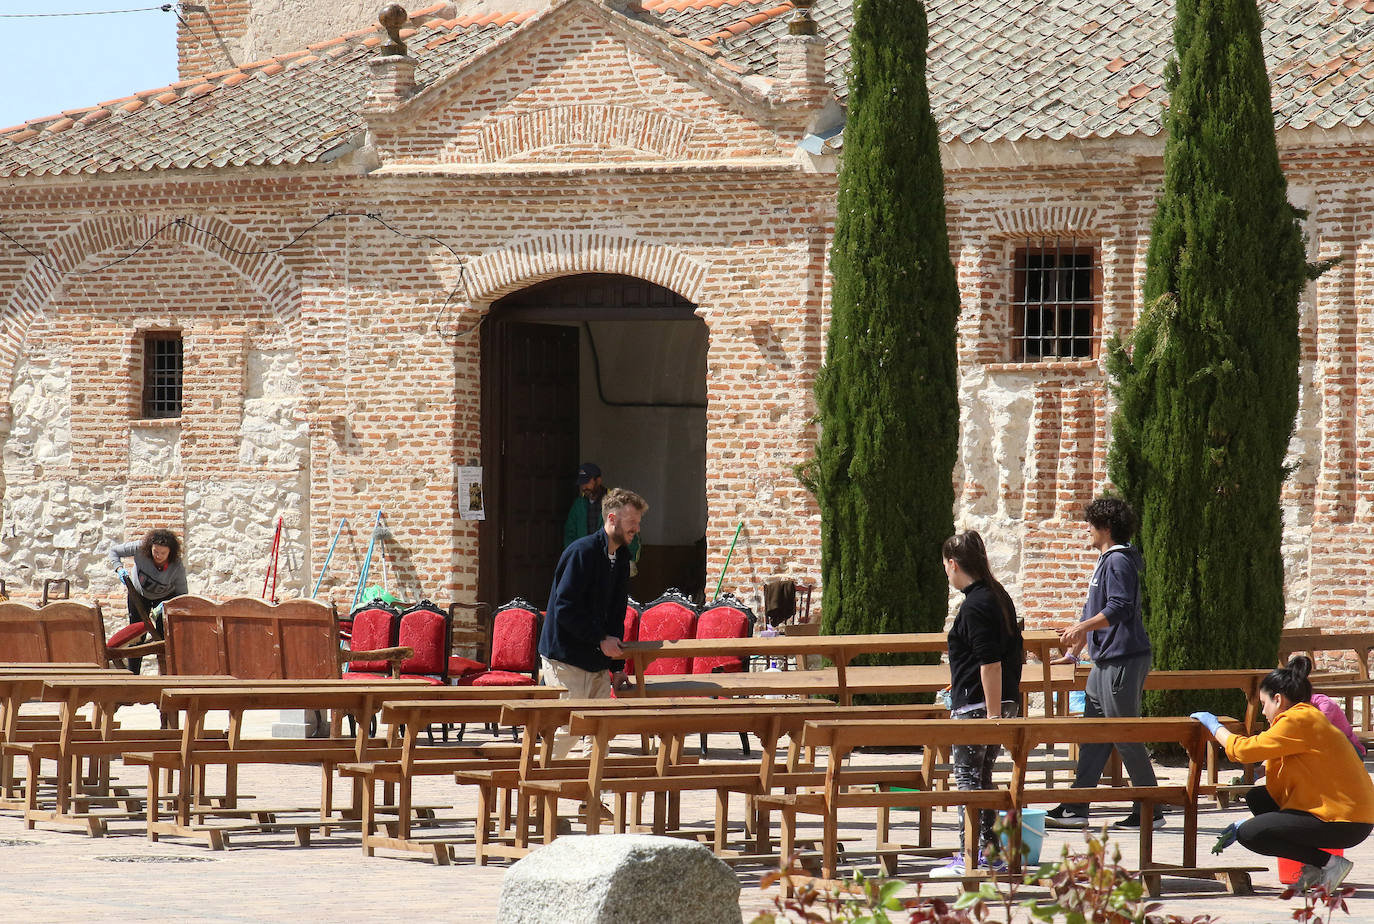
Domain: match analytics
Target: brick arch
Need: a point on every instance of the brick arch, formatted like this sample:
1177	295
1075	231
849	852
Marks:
504	271
1047	219
266	273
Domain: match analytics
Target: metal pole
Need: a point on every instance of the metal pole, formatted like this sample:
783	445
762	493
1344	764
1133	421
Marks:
325	566
727	559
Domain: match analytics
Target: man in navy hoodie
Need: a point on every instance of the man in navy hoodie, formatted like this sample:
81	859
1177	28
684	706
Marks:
579	644
1113	629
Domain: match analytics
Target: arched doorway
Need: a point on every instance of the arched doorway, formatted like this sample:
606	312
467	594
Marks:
601	368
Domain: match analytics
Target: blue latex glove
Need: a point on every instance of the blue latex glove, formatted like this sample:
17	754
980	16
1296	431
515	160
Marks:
1228	837
123	573
1209	721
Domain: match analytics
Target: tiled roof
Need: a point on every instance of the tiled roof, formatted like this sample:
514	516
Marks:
999	70
1014	69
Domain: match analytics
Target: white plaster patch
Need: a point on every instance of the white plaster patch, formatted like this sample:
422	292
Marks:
41	432
229	530
271	436
155	451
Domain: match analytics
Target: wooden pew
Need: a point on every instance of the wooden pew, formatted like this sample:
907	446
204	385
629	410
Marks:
1019	737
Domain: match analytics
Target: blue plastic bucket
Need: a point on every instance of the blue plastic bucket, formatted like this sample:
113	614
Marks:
1032	833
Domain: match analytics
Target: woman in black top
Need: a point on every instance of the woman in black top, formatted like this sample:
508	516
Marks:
985	655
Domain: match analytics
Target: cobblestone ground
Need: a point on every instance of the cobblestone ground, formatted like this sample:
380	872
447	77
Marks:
61	875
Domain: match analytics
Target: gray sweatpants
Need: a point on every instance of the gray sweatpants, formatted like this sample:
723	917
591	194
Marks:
1113	691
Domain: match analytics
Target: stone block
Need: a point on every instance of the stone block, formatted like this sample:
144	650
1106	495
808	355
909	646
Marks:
625	878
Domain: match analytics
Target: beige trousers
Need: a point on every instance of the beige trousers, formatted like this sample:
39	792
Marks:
577	684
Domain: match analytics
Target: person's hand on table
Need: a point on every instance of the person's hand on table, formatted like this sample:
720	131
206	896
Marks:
1208	720
1074	636
610	647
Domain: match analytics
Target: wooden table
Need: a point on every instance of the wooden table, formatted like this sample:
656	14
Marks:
1019	737
842	680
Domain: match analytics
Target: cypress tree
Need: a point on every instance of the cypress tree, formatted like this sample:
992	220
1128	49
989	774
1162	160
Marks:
888	393
1207	386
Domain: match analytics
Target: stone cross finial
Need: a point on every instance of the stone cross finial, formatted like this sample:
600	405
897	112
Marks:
392	17
801	22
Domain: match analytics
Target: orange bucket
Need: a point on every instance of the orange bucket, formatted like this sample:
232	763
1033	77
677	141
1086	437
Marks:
1290	870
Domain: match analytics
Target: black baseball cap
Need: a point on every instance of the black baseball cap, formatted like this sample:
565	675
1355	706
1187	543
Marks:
587	472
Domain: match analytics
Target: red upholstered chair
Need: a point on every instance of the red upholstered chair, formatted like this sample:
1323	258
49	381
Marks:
375	626
514	659
671	617
724	617
426	629
514	650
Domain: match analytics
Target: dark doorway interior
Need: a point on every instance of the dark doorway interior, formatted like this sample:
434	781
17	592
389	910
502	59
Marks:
600	368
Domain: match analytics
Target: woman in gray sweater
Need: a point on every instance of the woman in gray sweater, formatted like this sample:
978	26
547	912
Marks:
158	575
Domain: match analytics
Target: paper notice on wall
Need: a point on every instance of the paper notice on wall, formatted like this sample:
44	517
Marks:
470	505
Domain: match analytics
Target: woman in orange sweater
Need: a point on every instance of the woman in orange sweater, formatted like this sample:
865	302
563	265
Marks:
1316	791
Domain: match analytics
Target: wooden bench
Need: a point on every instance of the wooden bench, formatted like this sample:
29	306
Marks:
195	751
1019	737
670	777
66	632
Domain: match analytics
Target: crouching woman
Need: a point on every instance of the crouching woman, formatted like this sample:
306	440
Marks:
1316	791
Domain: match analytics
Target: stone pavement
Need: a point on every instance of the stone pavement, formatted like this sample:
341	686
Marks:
61	875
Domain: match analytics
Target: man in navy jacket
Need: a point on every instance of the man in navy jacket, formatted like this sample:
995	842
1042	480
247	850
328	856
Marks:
580	641
1112	627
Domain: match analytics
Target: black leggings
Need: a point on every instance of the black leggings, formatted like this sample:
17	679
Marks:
135	616
1298	836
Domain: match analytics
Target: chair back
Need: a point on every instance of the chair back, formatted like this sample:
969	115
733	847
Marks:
725	617
632	613
250	638
427	629
669	618
375	625
59	633
515	637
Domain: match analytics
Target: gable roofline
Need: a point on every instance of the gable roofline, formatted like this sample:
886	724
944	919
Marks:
670	52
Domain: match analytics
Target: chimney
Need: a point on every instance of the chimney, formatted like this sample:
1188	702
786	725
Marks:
801	61
393	71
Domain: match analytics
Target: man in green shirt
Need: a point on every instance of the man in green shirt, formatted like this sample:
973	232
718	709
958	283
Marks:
584	517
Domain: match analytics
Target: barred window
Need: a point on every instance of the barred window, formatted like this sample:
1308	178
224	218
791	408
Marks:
161	374
1055	301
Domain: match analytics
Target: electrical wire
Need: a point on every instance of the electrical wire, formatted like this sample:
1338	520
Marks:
440	318
162	8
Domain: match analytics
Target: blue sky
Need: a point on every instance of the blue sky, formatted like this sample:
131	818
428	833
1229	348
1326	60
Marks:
66	62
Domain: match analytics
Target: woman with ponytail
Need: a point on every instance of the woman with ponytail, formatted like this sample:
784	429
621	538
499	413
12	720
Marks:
1316	792
985	655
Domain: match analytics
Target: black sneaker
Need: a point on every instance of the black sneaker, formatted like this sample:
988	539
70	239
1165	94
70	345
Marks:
1133	820
1065	815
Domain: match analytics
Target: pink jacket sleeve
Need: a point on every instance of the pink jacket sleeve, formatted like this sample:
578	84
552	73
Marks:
1336	716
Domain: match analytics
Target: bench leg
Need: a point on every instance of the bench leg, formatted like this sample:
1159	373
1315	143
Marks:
722	818
482	824
154	796
830	845
787	833
369	814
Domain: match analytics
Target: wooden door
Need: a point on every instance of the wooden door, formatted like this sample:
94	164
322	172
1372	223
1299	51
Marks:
530	441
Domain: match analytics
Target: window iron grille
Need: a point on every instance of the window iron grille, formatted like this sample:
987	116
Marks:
1055	302
162	368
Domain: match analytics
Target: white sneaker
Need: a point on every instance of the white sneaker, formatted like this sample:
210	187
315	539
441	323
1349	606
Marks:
1334	873
953	869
